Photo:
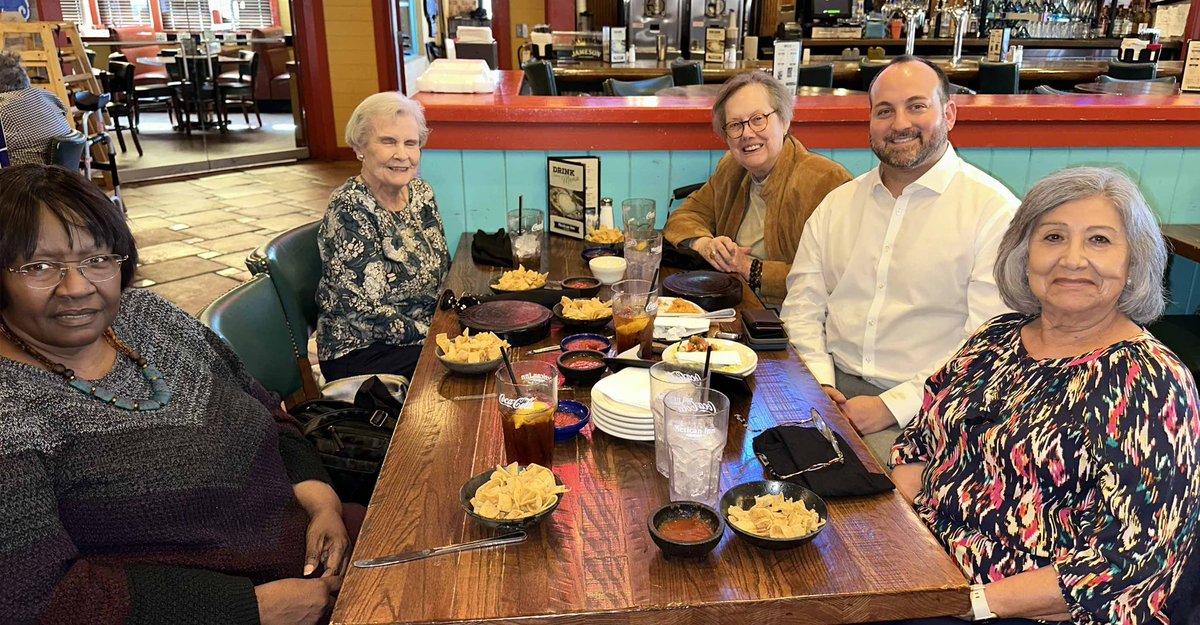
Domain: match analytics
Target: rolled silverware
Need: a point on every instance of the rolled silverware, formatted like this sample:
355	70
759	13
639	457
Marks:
508	538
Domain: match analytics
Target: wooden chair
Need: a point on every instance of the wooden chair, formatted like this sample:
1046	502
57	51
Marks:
241	93
123	103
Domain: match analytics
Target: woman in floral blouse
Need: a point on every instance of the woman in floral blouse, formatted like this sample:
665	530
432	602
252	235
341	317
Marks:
1055	456
383	247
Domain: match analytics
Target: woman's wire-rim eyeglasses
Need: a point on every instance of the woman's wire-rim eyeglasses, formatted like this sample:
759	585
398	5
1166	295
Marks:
47	274
757	123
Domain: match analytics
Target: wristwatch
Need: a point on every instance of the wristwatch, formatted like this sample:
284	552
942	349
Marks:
979	605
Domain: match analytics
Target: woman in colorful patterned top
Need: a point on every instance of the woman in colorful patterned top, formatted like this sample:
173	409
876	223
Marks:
383	247
1055	456
145	477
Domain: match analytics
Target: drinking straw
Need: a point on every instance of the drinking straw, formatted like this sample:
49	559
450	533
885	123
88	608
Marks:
520	221
508	365
704	375
650	291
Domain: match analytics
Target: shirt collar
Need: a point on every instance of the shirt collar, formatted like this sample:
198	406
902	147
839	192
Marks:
937	179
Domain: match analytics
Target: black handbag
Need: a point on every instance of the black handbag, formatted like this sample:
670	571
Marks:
352	438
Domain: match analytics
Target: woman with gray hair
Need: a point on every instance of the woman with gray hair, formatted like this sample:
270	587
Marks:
1056	455
747	219
31	117
383	247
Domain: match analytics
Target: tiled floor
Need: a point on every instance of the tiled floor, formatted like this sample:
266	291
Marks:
194	235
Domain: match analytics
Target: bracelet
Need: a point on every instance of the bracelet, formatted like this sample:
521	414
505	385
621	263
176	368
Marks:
756	267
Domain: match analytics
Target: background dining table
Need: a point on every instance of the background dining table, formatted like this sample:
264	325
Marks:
1133	87
593	560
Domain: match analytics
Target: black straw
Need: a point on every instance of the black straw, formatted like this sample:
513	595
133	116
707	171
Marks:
508	365
520	218
707	362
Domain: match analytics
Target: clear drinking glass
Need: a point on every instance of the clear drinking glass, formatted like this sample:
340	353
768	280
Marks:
634	304
525	230
696	421
664	378
637	213
643	253
527	411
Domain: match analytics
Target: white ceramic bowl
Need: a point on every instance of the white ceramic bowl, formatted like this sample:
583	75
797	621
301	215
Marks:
607	269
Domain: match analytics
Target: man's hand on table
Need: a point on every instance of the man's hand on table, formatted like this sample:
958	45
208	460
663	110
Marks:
867	413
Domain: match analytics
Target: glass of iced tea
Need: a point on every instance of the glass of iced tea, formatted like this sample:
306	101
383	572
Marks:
635	304
527	411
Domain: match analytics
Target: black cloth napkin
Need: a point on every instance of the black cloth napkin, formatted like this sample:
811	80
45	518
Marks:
492	249
373	394
682	258
791	448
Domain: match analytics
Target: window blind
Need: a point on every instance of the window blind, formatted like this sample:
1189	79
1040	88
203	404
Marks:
124	13
189	15
72	10
252	14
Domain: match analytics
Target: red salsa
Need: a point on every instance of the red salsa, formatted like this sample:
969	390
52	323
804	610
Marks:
563	418
685	530
579	284
585	344
584	364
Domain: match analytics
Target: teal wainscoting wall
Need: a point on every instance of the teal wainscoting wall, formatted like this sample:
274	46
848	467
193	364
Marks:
474	188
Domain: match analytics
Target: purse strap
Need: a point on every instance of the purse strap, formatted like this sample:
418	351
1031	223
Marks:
339	412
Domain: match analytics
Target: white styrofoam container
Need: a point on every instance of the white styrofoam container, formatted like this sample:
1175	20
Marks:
457	76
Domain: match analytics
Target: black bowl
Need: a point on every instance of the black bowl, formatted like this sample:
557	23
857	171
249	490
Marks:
580	324
743	496
597	249
582	377
686	509
590	286
468	491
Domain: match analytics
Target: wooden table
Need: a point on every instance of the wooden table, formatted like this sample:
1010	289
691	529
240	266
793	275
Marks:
1185	239
593	560
1137	87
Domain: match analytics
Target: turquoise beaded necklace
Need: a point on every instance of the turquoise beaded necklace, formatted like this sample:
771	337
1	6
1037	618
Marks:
160	391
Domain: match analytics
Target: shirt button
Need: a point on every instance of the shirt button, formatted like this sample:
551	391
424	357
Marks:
879	286
887	248
871	322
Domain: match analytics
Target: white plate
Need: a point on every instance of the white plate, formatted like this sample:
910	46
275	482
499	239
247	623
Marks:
608	428
639	428
629	387
625	411
747	355
624	421
665	302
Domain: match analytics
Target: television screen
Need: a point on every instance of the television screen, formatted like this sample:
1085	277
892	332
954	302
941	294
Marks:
831	8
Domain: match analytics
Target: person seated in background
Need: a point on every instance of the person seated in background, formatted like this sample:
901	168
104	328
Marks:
1056	454
146	477
31	117
894	270
748	217
383	247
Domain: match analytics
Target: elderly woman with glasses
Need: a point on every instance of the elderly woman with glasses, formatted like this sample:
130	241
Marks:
31	117
383	247
1055	456
146	477
747	219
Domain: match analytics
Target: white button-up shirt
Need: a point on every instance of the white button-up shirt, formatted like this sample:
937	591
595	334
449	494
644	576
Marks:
889	288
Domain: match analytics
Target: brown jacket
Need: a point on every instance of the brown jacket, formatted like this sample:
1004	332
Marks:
797	184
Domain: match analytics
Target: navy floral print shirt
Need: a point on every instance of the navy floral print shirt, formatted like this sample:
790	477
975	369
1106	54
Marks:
1087	464
382	270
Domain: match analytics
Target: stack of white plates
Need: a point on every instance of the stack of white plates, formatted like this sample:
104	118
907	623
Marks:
621	405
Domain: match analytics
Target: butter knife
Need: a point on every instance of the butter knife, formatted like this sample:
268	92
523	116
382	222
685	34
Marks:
508	538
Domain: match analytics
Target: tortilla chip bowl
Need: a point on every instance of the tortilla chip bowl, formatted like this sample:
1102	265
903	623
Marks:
742	496
474	368
473	484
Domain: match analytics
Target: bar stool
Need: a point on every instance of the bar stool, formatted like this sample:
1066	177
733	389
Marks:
868	69
815	75
687	73
540	78
649	86
999	78
1132	71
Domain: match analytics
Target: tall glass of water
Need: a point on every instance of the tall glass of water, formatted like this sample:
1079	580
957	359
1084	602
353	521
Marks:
643	253
525	230
696	421
638	213
664	378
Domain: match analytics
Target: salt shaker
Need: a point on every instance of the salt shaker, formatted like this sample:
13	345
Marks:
606	212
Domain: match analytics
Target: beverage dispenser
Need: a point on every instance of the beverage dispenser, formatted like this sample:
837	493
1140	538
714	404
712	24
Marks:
663	13
706	14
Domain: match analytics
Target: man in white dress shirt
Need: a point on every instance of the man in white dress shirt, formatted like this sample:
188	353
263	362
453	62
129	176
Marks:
894	269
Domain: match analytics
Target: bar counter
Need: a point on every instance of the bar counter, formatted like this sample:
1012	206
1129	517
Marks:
505	120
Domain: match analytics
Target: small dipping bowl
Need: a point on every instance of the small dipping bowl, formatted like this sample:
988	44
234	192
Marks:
586	341
586	285
570	419
570	365
690	510
594	252
608	269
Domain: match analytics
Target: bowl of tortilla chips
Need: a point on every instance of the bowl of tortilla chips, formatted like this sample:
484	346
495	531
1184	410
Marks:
513	496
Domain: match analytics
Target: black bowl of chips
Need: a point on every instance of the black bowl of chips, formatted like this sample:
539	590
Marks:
686	529
743	498
581	324
528	510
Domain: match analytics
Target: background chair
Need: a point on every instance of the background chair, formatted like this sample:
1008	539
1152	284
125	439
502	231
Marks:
240	93
867	70
123	103
145	74
649	86
1132	71
1000	78
687	73
1107	78
293	261
274	79
539	76
1181	333
1048	90
251	320
815	75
